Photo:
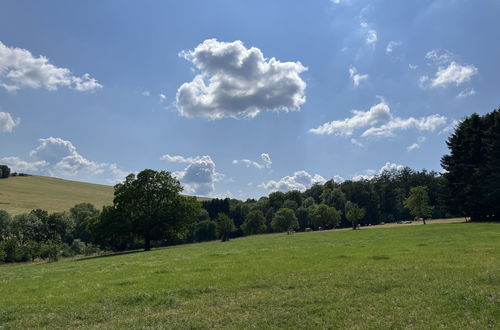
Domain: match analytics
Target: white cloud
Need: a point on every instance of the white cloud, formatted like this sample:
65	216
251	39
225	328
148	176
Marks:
117	175
370	174
337	1
236	82
20	69
371	36
356	77
429	123
391	45
389	167
7	123
199	177
58	157
454	73
449	72
178	159
412	66
338	179
266	159
300	180
466	92
440	56
21	166
64	159
377	113
162	97
146	93
265	162
416	145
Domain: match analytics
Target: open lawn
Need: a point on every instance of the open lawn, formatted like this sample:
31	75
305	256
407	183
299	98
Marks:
433	276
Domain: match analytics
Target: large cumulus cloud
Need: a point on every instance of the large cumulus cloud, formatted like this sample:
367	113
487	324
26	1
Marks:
199	176
235	81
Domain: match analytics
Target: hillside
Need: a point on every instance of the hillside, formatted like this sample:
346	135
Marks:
24	193
21	194
424	277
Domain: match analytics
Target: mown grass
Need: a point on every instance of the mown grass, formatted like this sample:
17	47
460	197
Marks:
433	276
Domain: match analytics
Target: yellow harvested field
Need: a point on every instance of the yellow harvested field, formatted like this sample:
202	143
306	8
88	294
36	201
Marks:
23	194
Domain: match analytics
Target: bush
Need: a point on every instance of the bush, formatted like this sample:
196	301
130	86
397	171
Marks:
205	230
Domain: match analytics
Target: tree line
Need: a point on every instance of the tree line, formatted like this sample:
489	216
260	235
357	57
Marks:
148	209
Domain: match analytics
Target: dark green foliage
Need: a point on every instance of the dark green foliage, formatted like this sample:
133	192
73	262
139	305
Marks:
81	214
205	230
302	214
216	206
285	220
354	213
5	221
254	223
111	229
290	204
4	171
225	226
276	200
472	179
324	216
151	201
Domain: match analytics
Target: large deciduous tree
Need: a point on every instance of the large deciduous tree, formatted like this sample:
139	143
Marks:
151	201
254	223
285	220
324	216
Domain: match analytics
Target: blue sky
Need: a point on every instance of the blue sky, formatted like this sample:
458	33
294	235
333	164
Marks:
240	98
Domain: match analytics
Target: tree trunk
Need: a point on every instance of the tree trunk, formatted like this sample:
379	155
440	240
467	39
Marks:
147	243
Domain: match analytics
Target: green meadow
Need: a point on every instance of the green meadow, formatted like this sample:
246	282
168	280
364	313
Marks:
432	276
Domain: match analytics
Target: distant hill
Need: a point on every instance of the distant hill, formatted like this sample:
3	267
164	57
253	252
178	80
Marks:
21	194
24	193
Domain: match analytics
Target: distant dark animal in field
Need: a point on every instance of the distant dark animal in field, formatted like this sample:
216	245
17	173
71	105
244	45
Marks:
308	230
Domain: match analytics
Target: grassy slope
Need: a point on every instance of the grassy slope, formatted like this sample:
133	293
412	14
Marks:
23	194
442	275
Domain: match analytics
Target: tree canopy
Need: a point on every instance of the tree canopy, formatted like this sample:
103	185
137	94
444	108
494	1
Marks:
472	176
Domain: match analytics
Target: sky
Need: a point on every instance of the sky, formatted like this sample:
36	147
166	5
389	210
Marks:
241	98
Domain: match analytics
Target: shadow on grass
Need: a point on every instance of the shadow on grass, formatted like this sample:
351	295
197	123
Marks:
112	254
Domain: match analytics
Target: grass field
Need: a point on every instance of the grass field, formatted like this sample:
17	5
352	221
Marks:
23	194
26	193
432	276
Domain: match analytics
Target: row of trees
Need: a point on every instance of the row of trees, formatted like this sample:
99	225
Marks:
148	209
472	177
40	235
